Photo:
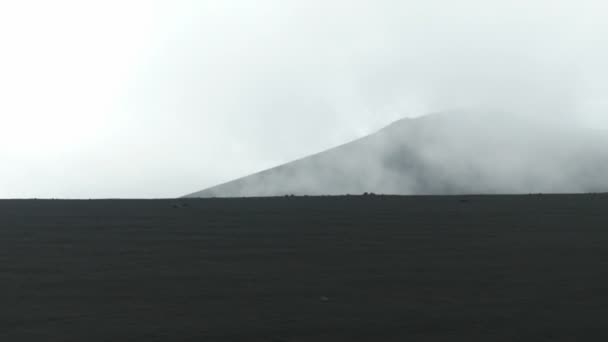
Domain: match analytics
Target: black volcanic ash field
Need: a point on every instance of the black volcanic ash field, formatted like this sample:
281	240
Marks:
476	268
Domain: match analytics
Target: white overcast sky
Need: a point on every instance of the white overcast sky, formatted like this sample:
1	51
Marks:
144	98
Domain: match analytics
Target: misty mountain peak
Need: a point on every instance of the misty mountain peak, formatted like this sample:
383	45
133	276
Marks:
444	153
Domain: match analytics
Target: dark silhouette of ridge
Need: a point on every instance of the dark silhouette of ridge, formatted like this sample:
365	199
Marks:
444	153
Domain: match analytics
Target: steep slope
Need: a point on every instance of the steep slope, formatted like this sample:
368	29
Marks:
446	153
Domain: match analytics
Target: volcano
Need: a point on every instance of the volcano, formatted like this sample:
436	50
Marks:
443	154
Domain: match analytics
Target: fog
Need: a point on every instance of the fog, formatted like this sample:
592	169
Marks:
450	153
162	98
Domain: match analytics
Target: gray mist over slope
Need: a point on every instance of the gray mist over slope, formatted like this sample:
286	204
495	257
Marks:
518	80
314	76
444	153
160	98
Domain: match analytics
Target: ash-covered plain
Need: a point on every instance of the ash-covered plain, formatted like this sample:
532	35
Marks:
351	268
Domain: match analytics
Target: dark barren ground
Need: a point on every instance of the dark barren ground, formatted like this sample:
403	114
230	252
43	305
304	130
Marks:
375	268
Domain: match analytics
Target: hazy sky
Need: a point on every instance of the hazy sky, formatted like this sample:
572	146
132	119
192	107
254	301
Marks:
144	98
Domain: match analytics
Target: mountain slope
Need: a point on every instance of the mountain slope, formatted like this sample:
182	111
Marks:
446	153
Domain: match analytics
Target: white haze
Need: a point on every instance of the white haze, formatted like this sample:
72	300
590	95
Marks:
162	98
